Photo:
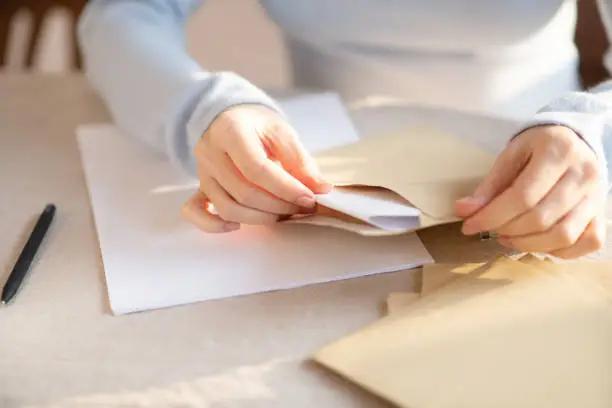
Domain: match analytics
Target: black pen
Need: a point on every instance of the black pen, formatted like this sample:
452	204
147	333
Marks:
20	270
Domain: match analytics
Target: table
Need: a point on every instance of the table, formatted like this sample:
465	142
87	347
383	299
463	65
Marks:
59	344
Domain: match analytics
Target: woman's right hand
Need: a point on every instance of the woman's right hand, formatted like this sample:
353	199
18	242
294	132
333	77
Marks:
252	170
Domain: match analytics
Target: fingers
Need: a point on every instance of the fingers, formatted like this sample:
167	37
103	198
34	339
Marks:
244	193
564	196
297	161
230	210
252	161
505	170
591	240
562	235
519	196
196	211
241	172
468	206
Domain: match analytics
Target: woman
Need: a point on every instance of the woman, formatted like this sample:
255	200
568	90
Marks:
516	58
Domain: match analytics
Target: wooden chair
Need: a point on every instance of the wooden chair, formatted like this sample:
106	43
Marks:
38	9
592	43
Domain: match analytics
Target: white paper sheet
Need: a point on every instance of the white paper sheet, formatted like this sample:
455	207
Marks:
321	120
153	259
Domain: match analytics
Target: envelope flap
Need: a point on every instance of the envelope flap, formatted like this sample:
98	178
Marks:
425	166
437	199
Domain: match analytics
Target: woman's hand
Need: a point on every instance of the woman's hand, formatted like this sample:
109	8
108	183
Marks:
253	170
544	194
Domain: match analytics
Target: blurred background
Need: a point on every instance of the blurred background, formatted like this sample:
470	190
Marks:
261	57
39	36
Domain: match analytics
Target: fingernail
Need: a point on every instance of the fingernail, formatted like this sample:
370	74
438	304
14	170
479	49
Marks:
306	202
231	226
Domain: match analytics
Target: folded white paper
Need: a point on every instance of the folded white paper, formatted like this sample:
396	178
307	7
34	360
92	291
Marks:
378	207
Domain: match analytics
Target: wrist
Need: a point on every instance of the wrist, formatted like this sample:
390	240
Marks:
226	91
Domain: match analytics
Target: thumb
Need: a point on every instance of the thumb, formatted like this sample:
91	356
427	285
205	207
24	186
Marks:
504	171
298	162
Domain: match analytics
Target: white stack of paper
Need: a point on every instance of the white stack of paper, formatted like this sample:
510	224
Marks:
154	259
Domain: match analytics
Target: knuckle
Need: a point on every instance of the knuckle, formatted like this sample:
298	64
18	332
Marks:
277	127
590	171
566	234
558	144
280	127
597	239
526	198
539	220
547	136
224	127
595	242
563	147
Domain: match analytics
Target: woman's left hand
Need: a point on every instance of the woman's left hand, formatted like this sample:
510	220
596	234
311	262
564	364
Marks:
545	194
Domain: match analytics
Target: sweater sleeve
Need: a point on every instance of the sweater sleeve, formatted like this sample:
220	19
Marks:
587	113
135	57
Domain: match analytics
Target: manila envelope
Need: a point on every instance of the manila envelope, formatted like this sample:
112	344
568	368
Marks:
437	275
543	342
397	183
473	280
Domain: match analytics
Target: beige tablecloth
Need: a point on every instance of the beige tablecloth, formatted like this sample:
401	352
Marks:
59	345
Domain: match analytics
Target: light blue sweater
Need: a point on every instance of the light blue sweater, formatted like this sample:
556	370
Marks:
513	57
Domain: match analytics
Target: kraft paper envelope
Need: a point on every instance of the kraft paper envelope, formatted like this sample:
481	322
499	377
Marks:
474	281
398	182
543	342
437	275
